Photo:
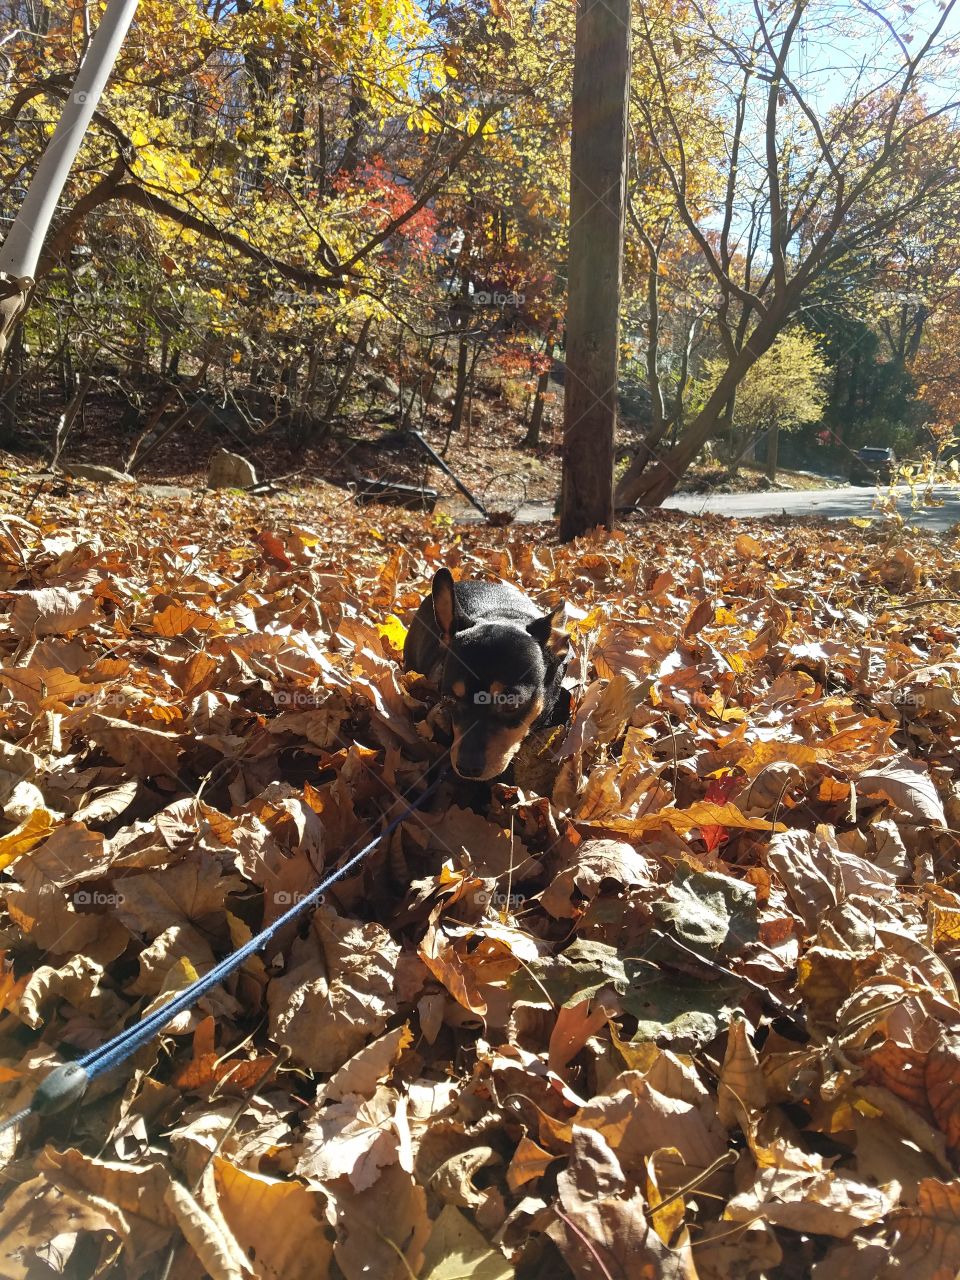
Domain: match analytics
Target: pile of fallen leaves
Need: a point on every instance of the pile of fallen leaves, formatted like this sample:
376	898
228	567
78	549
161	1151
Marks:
677	1000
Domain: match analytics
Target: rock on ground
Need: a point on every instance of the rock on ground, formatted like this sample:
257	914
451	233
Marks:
230	471
383	386
100	475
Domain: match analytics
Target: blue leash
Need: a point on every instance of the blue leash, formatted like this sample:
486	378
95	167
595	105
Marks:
68	1083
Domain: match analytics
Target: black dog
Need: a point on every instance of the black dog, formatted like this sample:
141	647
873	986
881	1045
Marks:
497	660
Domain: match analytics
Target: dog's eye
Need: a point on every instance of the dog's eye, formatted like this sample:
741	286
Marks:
513	706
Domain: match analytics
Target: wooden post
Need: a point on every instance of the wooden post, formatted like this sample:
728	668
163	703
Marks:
601	85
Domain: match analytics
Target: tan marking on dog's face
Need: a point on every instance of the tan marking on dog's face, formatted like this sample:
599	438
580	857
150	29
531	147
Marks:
502	743
459	689
497	687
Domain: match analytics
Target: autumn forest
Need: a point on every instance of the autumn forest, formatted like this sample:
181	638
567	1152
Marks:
288	221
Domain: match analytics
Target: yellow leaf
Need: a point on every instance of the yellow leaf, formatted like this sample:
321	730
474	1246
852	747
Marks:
29	833
735	661
394	631
308	537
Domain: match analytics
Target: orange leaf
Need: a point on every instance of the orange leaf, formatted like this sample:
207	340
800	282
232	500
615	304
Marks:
273	549
177	618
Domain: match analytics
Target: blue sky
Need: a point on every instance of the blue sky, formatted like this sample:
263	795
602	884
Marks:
829	60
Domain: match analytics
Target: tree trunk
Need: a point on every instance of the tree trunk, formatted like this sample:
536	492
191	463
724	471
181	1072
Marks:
746	450
341	389
471	382
460	394
601	81
20	252
355	115
14	295
11	378
68	418
773	450
736	442
641	485
532	438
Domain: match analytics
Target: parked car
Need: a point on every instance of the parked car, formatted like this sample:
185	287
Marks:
873	465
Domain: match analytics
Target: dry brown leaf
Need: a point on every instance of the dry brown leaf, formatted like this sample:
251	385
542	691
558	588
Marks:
907	783
210	1068
637	1120
451	966
360	1075
823	1202
817	873
724	1251
278	1225
337	993
79	983
457	1249
747	547
146	752
586	867
176	618
132	1197
489	846
36	1214
383	1229
208	1235
529	1161
49	917
574	1026
742	1091
52	611
927	1243
26	836
39	688
601	1221
192	891
941	1078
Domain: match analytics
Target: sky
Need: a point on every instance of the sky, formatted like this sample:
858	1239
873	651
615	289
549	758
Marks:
850	35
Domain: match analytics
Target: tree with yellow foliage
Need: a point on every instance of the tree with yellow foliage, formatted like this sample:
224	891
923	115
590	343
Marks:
785	389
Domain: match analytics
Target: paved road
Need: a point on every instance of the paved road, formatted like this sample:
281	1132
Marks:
831	504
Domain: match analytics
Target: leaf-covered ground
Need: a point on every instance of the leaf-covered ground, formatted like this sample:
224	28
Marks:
680	1000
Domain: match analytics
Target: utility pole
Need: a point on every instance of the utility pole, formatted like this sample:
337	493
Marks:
598	171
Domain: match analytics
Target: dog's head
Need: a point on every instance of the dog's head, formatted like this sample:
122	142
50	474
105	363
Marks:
499	678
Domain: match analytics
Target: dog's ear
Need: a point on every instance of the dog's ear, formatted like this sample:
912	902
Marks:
447	613
550	634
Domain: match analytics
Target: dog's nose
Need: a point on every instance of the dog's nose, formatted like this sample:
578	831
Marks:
469	768
469	756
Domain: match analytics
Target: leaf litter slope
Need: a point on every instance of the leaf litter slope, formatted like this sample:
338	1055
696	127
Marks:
680	1000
